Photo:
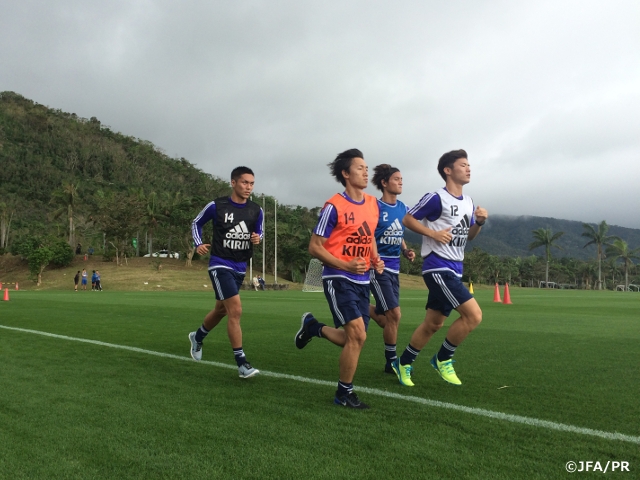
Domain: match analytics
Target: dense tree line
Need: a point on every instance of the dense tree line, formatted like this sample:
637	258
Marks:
69	177
72	178
612	267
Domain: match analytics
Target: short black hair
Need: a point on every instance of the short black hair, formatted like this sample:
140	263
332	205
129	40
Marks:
448	159
382	172
343	163
237	172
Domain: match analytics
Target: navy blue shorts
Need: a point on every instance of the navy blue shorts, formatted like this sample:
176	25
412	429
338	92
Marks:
226	282
347	300
446	291
386	290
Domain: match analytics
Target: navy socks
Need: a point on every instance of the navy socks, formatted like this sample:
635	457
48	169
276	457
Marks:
201	333
409	355
238	353
446	351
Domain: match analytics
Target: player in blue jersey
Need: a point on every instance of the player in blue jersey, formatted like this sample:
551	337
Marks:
446	219
389	235
237	227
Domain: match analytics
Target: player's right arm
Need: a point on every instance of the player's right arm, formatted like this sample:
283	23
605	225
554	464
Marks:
442	236
429	207
207	213
326	223
316	249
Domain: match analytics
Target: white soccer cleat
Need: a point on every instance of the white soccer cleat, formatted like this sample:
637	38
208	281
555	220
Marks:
196	348
247	371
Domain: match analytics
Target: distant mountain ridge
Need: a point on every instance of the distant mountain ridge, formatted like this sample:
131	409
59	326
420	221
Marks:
507	235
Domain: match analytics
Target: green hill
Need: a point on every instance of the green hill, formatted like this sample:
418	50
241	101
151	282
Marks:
74	177
40	148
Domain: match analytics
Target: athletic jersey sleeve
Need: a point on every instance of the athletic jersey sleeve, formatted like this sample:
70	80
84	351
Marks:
473	214
429	207
327	221
207	213
259	226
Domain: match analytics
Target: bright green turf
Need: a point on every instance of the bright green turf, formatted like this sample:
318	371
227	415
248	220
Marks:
74	410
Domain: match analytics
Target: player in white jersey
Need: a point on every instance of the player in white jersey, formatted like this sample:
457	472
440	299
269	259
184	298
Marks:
389	235
446	219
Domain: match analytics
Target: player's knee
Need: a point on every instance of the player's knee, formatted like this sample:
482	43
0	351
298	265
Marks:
360	339
473	319
357	337
234	312
393	315
431	325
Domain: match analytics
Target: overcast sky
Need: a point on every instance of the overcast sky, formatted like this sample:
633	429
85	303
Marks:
543	95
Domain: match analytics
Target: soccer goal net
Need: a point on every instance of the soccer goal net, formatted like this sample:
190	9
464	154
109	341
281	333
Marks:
313	279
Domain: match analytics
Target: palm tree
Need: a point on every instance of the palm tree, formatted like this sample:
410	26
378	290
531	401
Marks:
67	198
544	238
599	238
587	271
138	194
171	204
6	215
152	216
620	249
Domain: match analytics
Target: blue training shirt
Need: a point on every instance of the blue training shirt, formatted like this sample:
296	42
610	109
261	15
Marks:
389	234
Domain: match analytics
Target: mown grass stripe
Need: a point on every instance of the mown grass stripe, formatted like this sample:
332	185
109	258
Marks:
534	422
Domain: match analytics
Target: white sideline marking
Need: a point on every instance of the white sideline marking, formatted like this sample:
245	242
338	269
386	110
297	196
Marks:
534	422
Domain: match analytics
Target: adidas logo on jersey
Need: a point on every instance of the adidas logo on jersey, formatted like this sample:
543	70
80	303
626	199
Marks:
460	232
393	234
238	237
361	237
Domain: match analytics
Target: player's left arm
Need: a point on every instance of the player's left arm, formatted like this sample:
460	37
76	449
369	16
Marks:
376	262
408	253
481	216
256	235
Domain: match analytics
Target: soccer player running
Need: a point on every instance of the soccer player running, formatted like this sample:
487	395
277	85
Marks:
237	226
389	234
446	219
343	241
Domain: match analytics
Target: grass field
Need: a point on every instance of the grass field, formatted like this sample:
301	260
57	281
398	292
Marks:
550	379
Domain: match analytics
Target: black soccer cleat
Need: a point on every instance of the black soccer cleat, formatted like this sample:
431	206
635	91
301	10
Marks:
303	337
350	400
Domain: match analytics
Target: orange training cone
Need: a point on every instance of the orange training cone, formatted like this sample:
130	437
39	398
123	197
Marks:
17	286
507	297
496	295
6	295
0	285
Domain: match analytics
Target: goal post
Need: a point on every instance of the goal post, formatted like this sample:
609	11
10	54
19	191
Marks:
313	278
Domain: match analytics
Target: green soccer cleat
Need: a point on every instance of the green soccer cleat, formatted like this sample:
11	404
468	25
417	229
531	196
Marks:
403	372
446	371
